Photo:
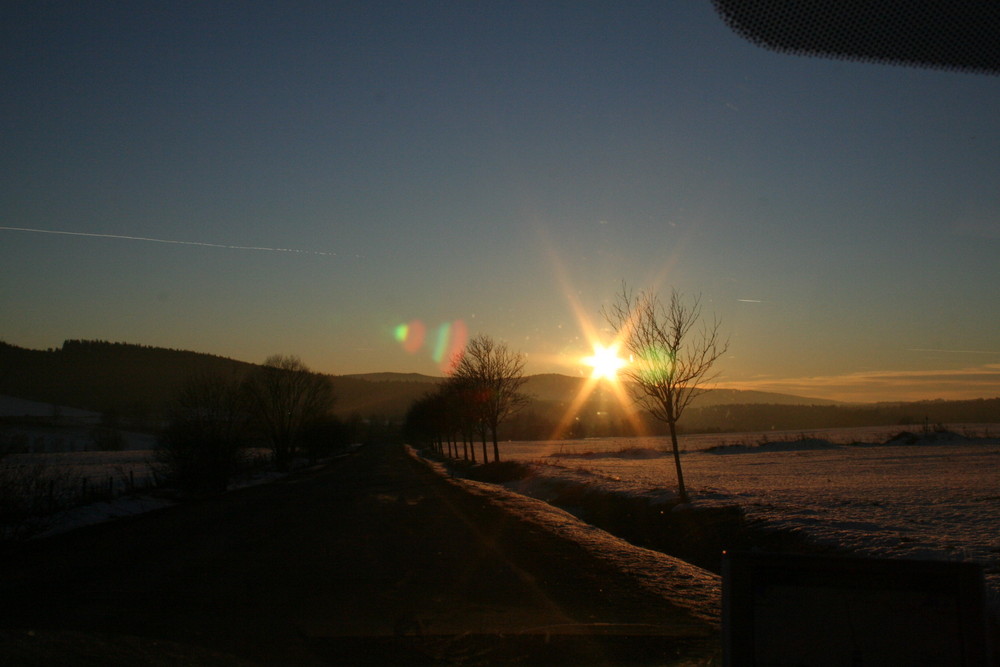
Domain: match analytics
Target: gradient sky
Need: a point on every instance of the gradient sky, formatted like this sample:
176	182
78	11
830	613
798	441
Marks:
246	178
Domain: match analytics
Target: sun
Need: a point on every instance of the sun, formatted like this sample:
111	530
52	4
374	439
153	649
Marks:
605	362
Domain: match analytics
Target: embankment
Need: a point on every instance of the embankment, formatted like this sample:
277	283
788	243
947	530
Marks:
696	534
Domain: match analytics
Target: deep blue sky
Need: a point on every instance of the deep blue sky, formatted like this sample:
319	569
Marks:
500	167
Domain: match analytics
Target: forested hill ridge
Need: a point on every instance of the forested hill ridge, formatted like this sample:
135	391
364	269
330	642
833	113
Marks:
135	382
138	379
555	387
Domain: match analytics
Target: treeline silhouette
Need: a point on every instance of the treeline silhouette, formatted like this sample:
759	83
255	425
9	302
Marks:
761	417
543	421
134	383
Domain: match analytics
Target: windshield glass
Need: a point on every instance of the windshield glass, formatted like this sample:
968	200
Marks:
490	231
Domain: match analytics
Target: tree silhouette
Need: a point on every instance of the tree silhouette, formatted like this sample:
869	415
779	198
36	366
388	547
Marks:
418	426
465	404
286	397
206	432
491	375
670	360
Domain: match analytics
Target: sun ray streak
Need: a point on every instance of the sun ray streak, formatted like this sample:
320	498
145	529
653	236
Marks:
570	415
591	332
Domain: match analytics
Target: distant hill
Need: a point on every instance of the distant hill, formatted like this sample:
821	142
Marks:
359	396
768	416
395	377
749	397
136	382
556	387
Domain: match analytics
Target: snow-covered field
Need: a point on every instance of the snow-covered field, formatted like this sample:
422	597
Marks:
123	480
125	468
930	496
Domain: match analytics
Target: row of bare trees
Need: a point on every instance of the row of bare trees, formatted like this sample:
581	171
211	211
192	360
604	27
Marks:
482	391
214	419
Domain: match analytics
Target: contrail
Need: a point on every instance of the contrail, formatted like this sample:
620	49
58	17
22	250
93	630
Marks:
152	240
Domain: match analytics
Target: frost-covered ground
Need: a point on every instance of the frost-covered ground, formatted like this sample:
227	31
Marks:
689	587
53	492
129	466
125	480
930	496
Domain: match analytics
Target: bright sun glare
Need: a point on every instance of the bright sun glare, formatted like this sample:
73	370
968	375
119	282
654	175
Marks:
605	362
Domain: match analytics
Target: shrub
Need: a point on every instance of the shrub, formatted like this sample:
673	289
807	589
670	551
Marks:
206	434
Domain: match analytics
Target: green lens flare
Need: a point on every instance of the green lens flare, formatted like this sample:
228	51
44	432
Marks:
441	347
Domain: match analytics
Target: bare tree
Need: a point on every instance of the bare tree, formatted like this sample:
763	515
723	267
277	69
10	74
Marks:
207	430
466	407
286	398
672	352
422	425
492	375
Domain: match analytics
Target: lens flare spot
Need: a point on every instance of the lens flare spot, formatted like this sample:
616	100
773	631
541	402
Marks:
410	335
441	346
459	337
444	343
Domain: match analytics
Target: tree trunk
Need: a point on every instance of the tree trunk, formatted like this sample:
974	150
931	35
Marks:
496	448
681	490
486	459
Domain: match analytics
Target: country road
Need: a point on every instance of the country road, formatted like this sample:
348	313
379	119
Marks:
373	559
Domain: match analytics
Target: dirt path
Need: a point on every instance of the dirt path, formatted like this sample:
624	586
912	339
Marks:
371	560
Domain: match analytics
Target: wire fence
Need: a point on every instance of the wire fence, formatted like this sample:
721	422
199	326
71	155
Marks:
32	491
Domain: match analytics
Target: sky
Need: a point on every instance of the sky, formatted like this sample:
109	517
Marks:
366	185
